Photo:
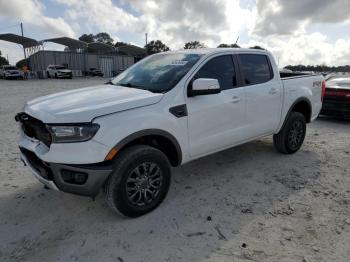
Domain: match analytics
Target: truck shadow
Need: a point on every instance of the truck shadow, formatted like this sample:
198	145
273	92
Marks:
210	201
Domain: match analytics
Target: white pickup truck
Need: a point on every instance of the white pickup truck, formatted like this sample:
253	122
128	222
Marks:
166	110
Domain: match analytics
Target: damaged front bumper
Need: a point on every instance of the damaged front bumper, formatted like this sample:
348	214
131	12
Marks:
86	180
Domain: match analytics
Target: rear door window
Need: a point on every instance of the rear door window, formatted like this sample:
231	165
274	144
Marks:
256	68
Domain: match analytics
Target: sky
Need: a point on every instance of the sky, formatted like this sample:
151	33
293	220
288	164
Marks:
296	32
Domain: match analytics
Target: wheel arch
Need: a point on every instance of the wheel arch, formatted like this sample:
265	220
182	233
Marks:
301	105
160	139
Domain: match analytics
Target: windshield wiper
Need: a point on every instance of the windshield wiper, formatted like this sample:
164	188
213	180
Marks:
129	85
136	86
109	82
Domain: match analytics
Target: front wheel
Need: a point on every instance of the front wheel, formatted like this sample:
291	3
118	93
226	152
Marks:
291	137
139	181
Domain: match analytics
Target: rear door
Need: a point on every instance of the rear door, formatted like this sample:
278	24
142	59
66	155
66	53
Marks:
216	121
263	92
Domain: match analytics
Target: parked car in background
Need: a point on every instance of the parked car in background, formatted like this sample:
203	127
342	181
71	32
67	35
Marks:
166	110
93	72
58	71
337	97
11	72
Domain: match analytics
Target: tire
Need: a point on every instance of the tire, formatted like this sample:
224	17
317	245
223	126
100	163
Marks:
128	169
56	75
290	139
48	75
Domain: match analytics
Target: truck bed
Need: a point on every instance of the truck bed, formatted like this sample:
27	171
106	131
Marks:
302	85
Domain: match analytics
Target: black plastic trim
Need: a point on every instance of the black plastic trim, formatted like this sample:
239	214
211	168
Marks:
179	111
150	132
300	99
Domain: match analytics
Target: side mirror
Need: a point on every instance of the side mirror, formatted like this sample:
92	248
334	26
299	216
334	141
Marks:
203	86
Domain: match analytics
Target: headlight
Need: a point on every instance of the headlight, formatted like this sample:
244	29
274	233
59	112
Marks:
72	133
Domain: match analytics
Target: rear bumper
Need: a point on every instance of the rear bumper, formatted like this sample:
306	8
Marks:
336	107
85	180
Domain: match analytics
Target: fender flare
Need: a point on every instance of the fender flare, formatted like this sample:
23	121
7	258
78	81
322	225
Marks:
151	132
300	99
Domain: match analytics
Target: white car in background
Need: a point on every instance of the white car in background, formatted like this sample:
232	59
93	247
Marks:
11	72
58	71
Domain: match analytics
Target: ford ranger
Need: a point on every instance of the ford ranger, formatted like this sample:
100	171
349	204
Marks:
168	109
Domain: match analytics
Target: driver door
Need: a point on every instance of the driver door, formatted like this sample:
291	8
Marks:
217	121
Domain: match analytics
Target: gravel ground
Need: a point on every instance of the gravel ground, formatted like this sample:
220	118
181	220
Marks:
247	203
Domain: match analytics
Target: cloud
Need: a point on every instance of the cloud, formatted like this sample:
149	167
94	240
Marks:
31	12
307	49
283	17
174	22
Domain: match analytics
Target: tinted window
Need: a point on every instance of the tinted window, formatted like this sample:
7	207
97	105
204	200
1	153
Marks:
256	69
220	68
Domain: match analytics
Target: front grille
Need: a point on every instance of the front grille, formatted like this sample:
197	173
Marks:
34	128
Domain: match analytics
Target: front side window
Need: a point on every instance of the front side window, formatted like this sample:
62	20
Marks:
158	73
256	68
220	68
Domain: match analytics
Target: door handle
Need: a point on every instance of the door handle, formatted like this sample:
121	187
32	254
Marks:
273	91
236	99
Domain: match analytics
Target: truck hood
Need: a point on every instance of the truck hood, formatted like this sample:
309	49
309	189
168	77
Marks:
82	105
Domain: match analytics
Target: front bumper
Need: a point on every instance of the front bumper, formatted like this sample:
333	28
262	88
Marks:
85	180
64	75
8	76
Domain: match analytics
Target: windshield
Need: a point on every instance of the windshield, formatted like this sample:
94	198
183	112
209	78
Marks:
60	67
158	73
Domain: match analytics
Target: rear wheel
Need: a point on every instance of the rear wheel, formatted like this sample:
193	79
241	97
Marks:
139	181
291	137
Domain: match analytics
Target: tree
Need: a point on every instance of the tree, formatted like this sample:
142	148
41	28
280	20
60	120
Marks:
118	44
193	45
228	46
90	38
103	37
3	60
156	47
257	47
22	63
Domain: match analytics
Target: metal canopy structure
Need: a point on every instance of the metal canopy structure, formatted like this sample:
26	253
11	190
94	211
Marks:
132	50
26	42
67	41
101	47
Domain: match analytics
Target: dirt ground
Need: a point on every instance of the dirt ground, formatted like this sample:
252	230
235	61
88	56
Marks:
247	203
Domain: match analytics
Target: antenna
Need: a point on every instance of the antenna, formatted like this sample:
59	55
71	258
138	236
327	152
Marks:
237	40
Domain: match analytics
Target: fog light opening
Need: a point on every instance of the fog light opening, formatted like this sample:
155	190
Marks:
74	177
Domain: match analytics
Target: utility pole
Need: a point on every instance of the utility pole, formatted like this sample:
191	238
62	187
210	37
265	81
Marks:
146	45
24	50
